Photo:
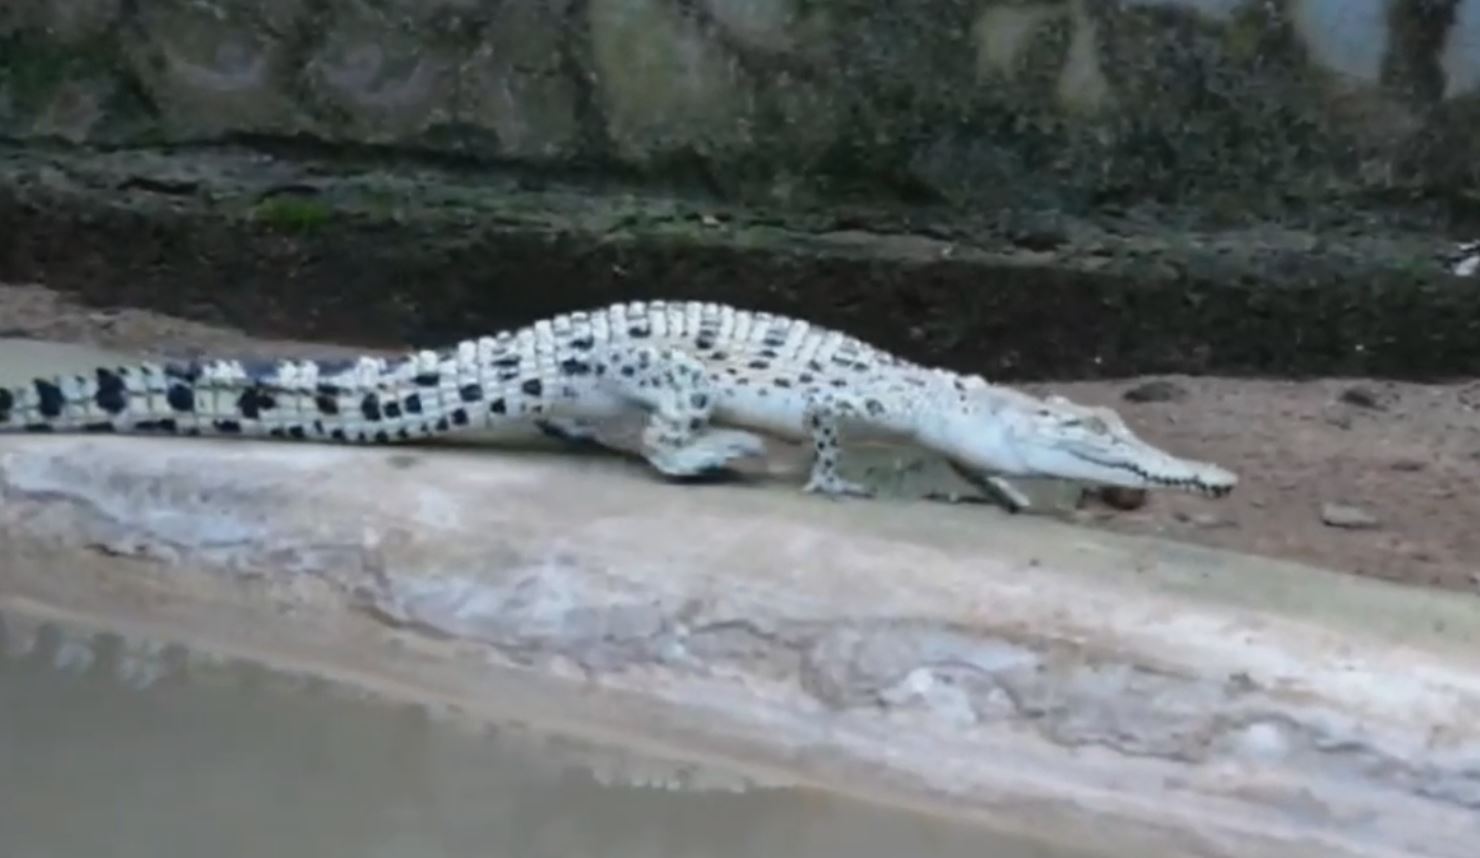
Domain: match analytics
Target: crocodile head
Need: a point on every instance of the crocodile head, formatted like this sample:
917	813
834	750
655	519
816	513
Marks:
1005	432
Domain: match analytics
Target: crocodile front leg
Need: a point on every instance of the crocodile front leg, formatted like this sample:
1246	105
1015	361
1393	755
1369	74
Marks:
996	487
826	415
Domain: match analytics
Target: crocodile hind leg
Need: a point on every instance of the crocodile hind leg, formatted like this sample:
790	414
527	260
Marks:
675	387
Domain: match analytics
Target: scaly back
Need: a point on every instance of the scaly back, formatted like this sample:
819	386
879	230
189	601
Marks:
514	374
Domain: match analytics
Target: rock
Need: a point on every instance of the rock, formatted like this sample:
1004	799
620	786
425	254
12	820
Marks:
1408	465
1347	516
1362	397
1159	390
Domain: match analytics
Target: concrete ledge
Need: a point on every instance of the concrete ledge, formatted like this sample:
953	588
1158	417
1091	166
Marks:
1111	695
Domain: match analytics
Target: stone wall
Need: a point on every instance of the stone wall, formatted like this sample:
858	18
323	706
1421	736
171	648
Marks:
986	103
1024	188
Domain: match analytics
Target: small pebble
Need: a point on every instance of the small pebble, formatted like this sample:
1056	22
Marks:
1362	397
1160	390
1408	465
1413	551
1205	520
1347	516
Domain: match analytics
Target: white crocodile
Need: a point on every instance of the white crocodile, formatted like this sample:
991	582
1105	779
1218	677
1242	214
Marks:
709	377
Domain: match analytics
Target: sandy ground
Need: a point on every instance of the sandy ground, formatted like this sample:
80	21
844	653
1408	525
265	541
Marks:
1402	460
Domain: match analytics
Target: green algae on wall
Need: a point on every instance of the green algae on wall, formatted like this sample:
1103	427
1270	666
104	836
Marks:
292	214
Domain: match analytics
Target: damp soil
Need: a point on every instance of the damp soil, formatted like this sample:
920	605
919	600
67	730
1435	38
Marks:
1371	477
356	250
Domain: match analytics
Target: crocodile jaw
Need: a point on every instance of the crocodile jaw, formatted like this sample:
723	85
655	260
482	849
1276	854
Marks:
1138	467
1010	434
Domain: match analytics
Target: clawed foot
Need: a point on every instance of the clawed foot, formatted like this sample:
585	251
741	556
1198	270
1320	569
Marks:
712	451
576	433
836	487
1010	496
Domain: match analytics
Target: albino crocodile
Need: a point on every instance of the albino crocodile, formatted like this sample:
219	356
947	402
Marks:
704	374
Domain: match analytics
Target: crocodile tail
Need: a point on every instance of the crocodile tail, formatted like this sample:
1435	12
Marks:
139	398
365	400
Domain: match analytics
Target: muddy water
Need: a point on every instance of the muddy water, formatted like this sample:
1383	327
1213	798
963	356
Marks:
107	752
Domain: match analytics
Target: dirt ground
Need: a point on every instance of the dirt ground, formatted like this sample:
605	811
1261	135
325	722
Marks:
1401	461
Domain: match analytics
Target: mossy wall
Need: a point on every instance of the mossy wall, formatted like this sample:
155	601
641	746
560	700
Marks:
1245	105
